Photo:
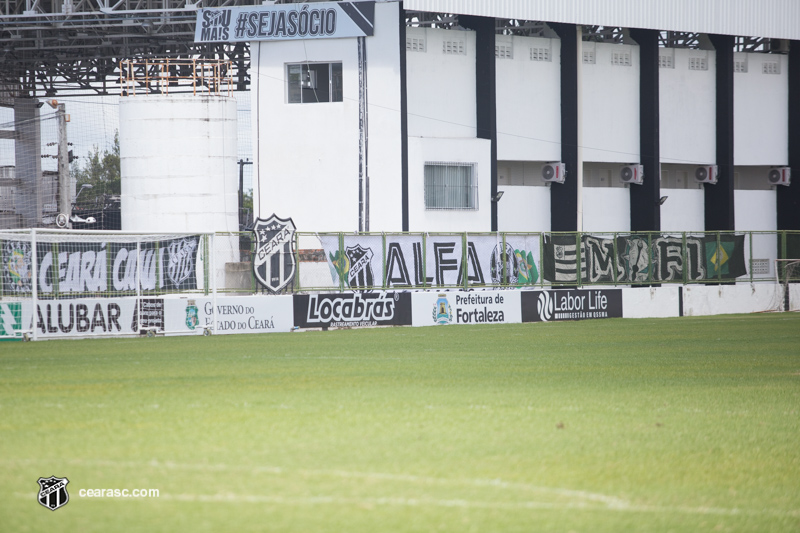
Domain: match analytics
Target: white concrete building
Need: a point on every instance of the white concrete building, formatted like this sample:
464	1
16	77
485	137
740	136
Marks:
420	123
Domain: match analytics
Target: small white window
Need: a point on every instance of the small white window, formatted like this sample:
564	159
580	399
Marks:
666	62
740	66
451	185
454	47
698	63
415	44
771	67
621	59
504	51
588	57
540	54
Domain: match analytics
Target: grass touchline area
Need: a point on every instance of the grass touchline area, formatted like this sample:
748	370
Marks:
681	424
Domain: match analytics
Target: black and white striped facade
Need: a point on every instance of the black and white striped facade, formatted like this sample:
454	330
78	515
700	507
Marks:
510	103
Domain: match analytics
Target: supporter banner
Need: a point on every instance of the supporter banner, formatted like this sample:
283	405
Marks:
571	304
69	269
401	261
235	314
318	20
462	307
637	259
86	316
355	309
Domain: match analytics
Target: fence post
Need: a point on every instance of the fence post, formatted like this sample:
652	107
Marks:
719	257
383	260
213	274
614	259
341	257
464	256
650	258
206	260
541	260
684	254
750	233
424	260
578	254
34	284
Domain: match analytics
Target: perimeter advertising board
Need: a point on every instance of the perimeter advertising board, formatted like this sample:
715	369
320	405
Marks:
352	309
235	314
466	307
571	304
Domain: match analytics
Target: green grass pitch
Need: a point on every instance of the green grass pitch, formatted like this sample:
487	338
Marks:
688	424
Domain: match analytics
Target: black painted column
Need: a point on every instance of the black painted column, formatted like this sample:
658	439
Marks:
486	94
645	209
564	196
403	120
789	197
719	214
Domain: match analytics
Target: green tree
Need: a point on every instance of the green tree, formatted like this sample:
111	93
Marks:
101	171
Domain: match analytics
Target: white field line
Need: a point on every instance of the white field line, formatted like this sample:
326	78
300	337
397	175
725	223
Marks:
575	499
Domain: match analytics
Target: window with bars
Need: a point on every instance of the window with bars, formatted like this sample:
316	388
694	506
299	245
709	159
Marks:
451	185
314	83
588	57
666	62
740	66
770	67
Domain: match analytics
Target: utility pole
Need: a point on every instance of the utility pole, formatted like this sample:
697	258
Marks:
64	178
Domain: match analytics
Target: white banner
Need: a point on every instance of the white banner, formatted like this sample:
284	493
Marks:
461	307
401	261
235	314
84	317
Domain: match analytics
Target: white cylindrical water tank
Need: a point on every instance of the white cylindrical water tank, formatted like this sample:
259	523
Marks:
178	163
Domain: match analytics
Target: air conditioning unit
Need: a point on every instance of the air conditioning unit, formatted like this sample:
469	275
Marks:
553	172
706	174
631	174
780	176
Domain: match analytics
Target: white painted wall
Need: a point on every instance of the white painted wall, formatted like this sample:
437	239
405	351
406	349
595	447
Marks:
761	111
606	209
610	100
306	155
441	87
757	211
523	209
178	163
688	109
421	150
701	300
650	302
684	210
529	101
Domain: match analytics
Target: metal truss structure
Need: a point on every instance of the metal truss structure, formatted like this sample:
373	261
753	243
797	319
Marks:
50	47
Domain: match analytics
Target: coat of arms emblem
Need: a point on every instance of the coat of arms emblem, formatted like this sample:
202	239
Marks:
360	274
274	264
53	492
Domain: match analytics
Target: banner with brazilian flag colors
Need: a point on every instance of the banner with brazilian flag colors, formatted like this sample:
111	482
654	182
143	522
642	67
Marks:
641	258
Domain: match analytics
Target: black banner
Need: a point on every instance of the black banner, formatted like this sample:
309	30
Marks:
79	269
356	309
571	304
